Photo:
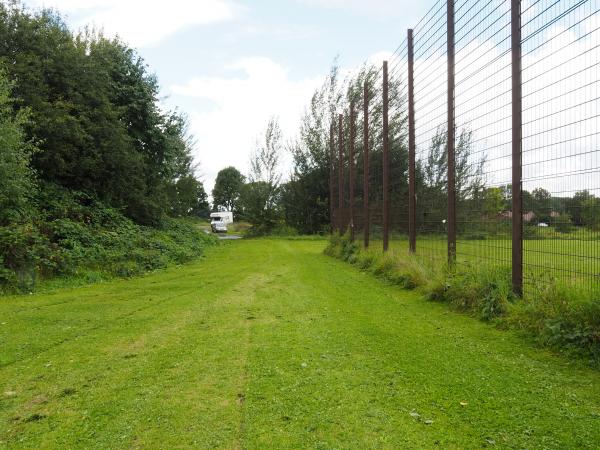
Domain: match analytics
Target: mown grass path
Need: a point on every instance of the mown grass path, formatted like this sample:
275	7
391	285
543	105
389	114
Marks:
270	344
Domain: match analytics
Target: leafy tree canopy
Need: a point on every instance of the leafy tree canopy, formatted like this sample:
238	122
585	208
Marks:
94	111
227	190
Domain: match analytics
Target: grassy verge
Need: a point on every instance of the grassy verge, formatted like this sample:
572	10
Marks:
271	344
556	315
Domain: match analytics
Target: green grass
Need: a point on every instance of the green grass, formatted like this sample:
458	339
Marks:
271	344
570	259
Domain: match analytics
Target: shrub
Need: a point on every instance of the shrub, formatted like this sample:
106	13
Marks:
405	271
561	315
284	230
365	260
532	232
75	234
563	224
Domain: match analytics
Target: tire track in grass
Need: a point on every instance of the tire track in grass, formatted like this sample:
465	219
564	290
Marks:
292	349
83	333
159	360
386	369
116	296
29	304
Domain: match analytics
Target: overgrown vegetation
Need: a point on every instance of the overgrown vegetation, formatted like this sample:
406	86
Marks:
74	235
560	316
92	171
93	111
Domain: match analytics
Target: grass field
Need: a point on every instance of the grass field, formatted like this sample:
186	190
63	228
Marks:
568	259
270	344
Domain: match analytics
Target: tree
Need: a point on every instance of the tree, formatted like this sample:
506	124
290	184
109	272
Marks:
188	198
260	197
575	206
494	202
469	179
17	179
305	198
528	201
264	163
227	190
95	112
469	171
563	224
542	205
590	213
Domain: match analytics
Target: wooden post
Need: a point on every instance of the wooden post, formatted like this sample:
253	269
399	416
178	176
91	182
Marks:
341	173
517	140
386	162
412	195
331	173
366	213
451	137
351	169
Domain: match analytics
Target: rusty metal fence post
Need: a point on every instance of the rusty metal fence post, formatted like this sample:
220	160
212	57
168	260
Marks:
451	220
412	195
351	170
517	139
331	173
386	161
340	172
366	214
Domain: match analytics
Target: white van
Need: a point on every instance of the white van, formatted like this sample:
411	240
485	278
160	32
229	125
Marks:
220	220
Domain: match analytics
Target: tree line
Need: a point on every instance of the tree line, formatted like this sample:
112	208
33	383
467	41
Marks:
301	202
93	172
86	107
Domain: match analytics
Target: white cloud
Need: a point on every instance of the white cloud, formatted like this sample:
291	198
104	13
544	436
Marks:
228	132
383	8
144	22
560	106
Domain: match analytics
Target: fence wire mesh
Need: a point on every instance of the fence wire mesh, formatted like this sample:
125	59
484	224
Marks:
544	121
561	116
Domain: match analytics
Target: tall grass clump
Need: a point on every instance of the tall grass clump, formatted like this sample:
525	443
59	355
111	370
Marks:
405	271
562	316
482	290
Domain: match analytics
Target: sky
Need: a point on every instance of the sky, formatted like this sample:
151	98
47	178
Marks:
230	65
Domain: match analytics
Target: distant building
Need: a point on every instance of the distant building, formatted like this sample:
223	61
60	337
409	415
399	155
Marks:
527	217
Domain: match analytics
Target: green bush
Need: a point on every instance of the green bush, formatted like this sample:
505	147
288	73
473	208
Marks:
283	230
561	315
563	224
532	232
74	234
365	260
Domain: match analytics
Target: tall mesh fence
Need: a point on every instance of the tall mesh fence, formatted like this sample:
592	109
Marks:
483	103
561	164
505	138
